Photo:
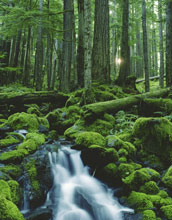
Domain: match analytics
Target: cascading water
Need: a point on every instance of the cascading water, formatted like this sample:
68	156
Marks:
76	195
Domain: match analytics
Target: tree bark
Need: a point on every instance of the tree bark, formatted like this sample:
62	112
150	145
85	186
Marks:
145	46
169	44
101	45
161	47
125	49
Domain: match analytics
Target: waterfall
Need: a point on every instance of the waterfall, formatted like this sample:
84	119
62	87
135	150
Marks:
75	194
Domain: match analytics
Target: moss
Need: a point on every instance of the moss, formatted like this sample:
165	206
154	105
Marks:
9	211
167	178
33	110
16	135
109	118
29	145
23	120
44	122
155	135
39	139
150	188
101	126
14	156
140	177
125	169
86	139
15	191
123	159
32	172
125	136
103	95
122	152
109	173
9	140
12	170
163	194
167	211
5	190
115	141
149	215
139	201
73	109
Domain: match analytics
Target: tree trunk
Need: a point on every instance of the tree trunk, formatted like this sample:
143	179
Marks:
139	66
67	46
125	49
101	47
145	46
39	53
161	47
87	50
80	51
169	44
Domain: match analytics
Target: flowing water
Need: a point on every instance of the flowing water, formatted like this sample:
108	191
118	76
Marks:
76	195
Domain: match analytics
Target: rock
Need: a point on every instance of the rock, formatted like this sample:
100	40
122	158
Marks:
39	214
167	178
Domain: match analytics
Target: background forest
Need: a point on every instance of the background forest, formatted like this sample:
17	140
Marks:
65	45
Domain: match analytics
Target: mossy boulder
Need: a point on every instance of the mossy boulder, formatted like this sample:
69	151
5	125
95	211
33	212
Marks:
167	211
109	174
155	135
97	157
140	177
117	143
23	120
125	169
101	126
85	139
9	140
167	178
12	170
9	211
34	110
139	201
39	139
15	191
14	156
149	215
5	190
150	188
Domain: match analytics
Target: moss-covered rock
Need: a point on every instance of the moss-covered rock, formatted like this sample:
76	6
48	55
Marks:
167	178
140	177
101	126
23	120
33	110
15	191
155	135
29	145
109	174
9	140
14	156
167	211
139	201
44	122
8	210
86	139
149	215
12	170
5	190
97	157
39	139
125	169
109	118
117	143
150	188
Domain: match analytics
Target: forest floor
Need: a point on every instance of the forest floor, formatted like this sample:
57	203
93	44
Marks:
129	149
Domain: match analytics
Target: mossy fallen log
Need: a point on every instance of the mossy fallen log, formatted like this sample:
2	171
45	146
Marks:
36	97
91	111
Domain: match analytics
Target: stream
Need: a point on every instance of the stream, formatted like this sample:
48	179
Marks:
75	194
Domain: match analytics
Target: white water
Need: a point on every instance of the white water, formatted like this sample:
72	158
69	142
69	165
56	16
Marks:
76	195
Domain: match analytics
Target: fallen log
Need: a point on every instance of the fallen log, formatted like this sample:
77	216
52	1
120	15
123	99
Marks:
150	78
92	111
36	97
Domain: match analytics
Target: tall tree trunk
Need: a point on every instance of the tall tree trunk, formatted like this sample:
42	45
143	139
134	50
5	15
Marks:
80	51
161	47
67	46
39	52
101	47
169	44
139	67
18	41
87	50
125	49
26	79
145	46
